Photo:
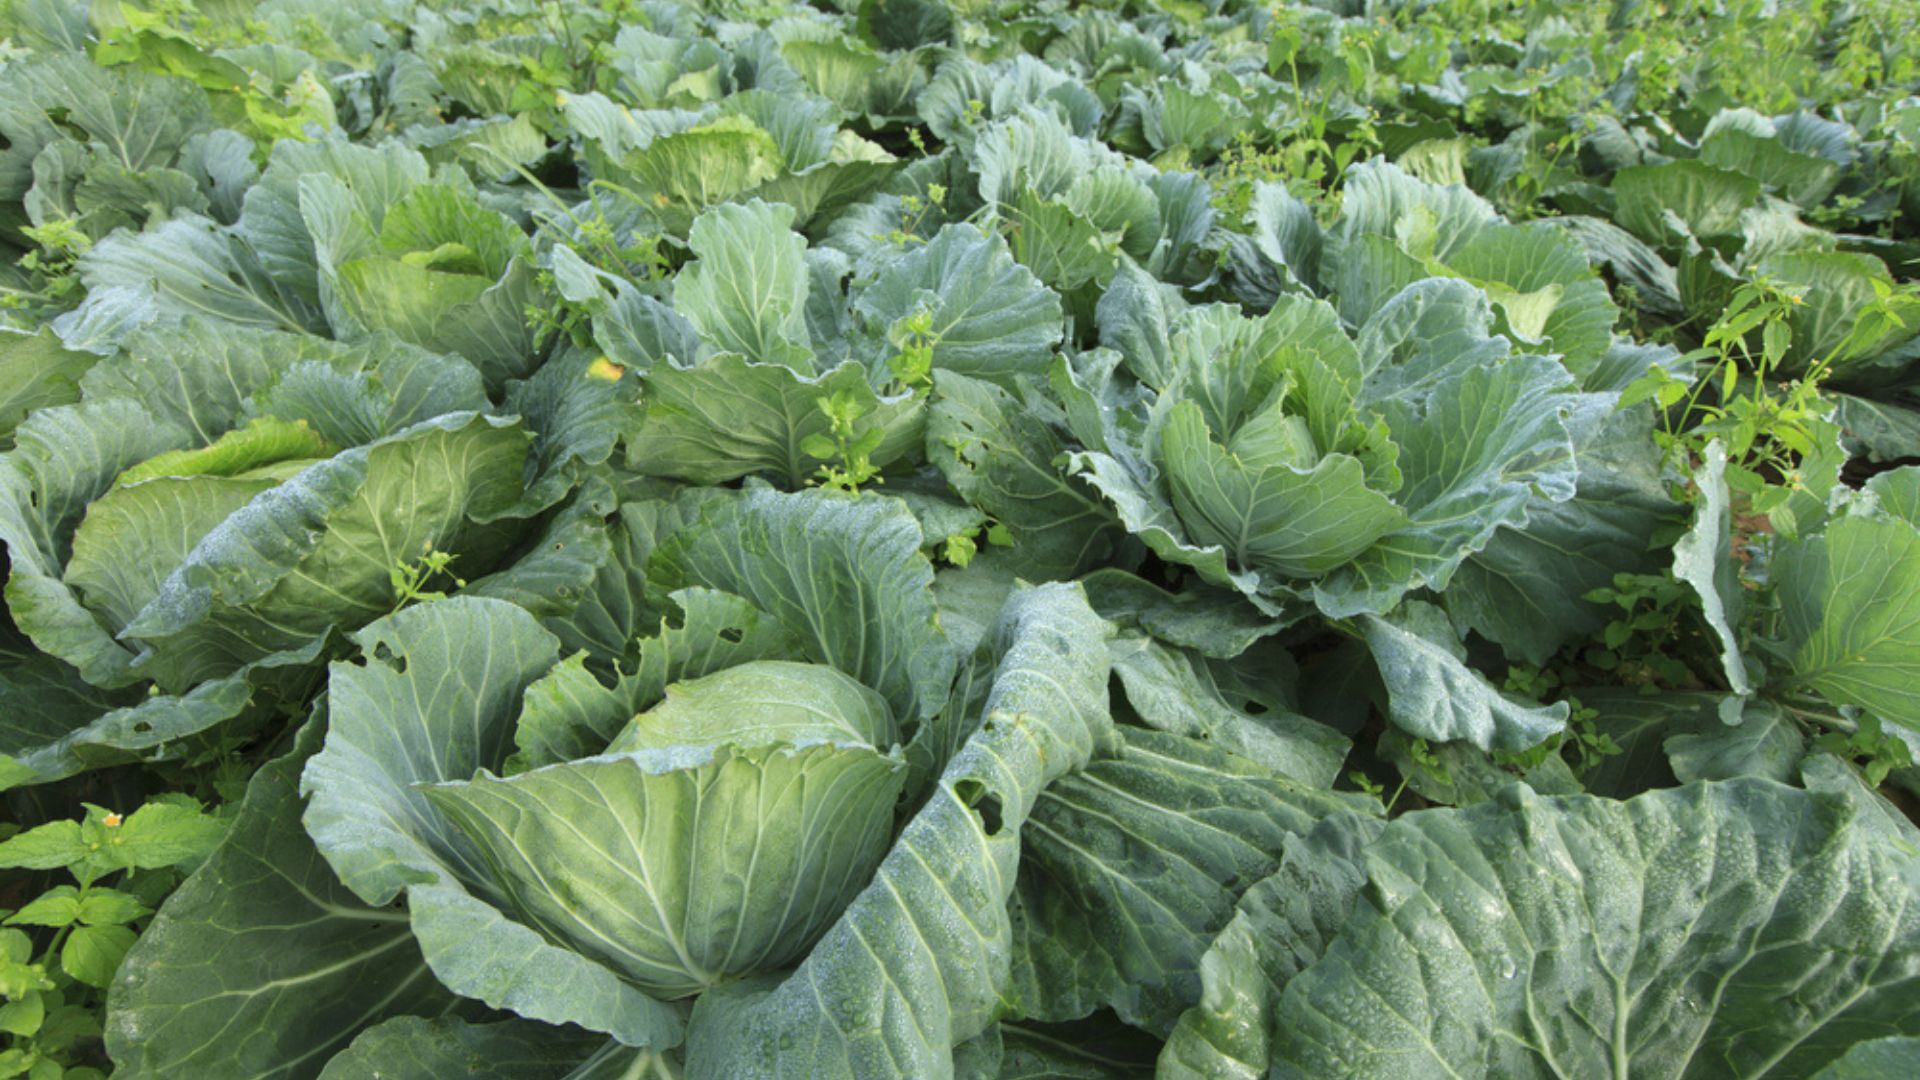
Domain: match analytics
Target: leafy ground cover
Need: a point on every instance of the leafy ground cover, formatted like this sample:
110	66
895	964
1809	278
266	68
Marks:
955	538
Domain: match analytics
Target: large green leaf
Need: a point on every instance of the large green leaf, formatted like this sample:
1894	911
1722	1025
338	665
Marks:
1742	929
634	329
686	172
1896	493
36	371
134	536
435	267
1704	559
136	118
42	702
1432	693
1282	924
1527	588
1746	142
1211	622
851	169
761	702
272	222
1633	263
917	963
1883	430
1835	292
747	293
1174	691
1851	598
991	318
1130	866
843	574
1380	199
483	321
1063	248
1891	1058
1118	465
319	550
1239	451
1262	508
1678	737
191	266
64	729
1285	234
1766	742
158	405
726	417
1135	317
1703	198
1395	230
578	417
1100	1047
489	146
209	378
418	1048
569	713
1539	264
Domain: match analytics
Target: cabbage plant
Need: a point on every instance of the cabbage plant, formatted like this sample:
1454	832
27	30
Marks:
1283	457
780	791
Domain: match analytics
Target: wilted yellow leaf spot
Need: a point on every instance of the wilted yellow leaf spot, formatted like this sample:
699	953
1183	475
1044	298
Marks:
661	200
604	368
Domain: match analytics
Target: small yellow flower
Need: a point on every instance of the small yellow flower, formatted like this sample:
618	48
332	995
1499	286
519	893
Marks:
113	821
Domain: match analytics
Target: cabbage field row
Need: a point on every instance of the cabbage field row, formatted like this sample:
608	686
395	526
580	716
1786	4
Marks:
734	539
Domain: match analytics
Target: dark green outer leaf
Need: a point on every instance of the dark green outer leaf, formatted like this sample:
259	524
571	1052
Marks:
1132	864
1433	694
1892	1058
1527	588
416	1048
262	965
1282	924
1172	690
42	701
1742	929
